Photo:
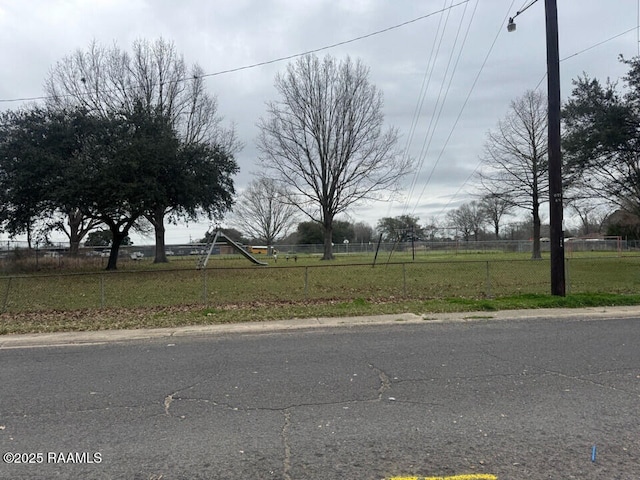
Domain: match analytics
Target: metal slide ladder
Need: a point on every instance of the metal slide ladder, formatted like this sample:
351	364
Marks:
204	258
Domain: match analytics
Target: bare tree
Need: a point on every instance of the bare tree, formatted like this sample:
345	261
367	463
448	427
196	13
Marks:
108	80
468	219
363	232
324	139
431	228
262	211
516	154
592	215
495	206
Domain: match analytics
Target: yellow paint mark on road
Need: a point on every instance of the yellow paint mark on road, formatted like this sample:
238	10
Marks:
472	476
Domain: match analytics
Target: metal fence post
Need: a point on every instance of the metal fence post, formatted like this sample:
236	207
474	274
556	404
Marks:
6	296
102	291
204	286
488	282
567	277
404	279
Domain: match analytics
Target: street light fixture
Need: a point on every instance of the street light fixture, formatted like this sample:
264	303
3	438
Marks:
556	235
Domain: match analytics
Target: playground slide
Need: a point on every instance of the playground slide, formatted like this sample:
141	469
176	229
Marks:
242	251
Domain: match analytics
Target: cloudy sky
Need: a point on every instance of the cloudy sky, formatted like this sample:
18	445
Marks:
448	68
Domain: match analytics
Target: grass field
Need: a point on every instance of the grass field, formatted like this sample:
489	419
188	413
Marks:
80	296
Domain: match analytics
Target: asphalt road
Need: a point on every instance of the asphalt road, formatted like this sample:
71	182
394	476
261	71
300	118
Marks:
517	399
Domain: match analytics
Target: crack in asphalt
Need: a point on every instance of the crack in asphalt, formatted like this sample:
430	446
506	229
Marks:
542	371
230	406
385	382
592	382
167	403
385	385
286	463
467	377
168	399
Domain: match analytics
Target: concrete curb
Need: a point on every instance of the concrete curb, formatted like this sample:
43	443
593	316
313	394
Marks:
113	336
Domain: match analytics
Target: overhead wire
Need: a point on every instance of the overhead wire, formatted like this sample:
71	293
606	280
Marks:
284	58
522	9
421	157
429	137
636	28
466	100
473	173
426	82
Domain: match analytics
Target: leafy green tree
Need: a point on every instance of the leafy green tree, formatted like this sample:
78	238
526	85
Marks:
190	177
111	177
602	139
23	171
403	228
182	180
232	233
60	160
103	238
311	233
68	131
624	224
113	186
37	159
135	155
111	170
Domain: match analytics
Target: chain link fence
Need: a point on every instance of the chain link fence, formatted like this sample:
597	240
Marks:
16	256
419	280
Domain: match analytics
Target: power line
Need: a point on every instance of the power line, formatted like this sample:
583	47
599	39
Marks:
288	57
426	82
637	28
598	44
536	88
464	104
522	10
428	138
334	45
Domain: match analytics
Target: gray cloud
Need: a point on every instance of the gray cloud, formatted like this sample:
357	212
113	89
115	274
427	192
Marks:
222	35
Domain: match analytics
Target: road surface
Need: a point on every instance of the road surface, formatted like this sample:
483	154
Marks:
516	399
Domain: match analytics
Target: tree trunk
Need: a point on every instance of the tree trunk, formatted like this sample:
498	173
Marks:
74	234
29	237
118	238
328	243
157	220
79	227
536	255
161	254
74	248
